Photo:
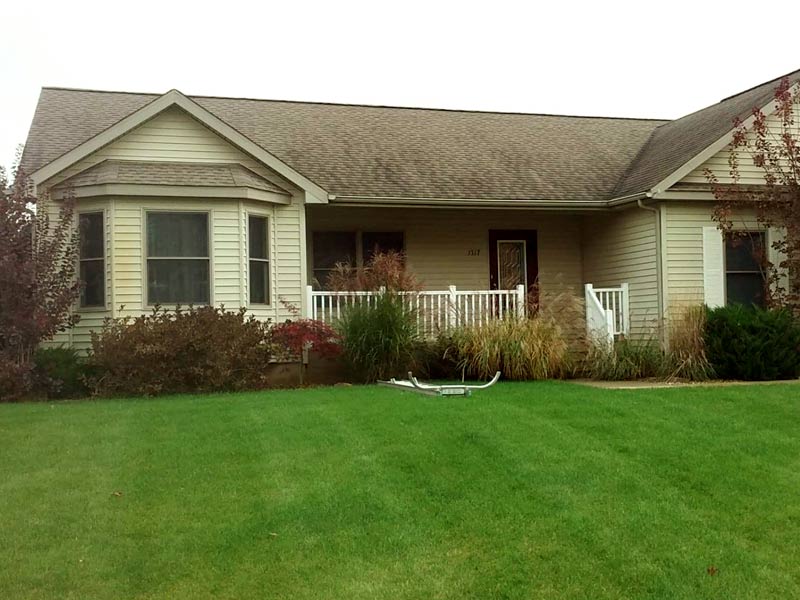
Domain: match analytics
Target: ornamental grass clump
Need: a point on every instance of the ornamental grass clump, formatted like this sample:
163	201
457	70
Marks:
625	360
384	271
520	348
379	338
687	357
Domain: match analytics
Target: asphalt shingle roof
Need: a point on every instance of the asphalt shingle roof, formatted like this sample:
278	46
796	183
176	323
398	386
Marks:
370	151
676	142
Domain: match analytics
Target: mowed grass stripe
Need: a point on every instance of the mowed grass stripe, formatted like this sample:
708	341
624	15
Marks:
525	490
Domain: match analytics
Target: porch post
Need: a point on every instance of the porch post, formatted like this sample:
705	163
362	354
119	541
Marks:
309	307
626	315
521	301
451	318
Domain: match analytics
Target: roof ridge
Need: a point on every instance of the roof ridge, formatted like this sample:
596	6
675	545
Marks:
769	81
750	89
357	105
631	166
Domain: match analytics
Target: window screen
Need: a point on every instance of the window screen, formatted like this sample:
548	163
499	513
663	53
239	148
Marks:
177	258
745	278
330	248
258	254
92	260
373	242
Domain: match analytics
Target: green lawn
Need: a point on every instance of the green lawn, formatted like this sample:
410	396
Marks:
548	490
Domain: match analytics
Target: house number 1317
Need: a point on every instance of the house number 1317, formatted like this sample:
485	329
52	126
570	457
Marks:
474	252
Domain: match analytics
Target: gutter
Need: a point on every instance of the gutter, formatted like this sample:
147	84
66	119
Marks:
499	203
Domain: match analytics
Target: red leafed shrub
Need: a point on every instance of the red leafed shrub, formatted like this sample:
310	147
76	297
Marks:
202	349
292	337
15	379
38	284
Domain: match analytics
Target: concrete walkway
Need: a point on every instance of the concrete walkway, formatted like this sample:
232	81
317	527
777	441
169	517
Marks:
641	384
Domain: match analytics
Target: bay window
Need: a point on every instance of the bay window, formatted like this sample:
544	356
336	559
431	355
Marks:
92	267
258	259
178	260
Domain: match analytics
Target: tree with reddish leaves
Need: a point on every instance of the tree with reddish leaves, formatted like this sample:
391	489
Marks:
38	283
773	145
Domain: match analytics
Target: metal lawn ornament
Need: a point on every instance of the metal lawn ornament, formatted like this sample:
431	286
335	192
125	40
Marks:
413	385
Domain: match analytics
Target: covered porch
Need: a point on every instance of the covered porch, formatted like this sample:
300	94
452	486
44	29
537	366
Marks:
474	264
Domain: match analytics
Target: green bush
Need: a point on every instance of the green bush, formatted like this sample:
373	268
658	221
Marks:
753	344
379	339
202	349
60	373
625	360
521	349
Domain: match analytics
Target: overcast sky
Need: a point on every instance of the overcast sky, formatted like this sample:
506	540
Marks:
633	59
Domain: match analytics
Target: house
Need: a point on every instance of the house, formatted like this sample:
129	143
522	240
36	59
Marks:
247	202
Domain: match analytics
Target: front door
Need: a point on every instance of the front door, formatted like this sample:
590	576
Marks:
512	259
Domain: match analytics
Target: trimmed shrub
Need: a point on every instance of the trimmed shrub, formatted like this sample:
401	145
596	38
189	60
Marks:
202	349
521	349
60	373
625	360
752	343
379	338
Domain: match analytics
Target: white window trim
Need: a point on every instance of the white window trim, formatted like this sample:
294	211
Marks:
271	299
211	279
105	305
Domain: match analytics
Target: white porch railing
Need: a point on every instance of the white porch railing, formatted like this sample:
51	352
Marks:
607	312
437	310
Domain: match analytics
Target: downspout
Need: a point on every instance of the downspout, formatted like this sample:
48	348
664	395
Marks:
660	266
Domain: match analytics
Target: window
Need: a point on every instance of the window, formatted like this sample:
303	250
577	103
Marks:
177	258
745	279
258	254
383	241
330	248
92	260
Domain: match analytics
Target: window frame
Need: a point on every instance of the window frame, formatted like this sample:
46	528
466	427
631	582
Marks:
762	272
146	257
268	260
104	306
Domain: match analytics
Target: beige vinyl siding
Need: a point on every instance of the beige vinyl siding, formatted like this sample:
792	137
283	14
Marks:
684	248
89	318
621	247
171	136
718	164
174	136
228	249
438	241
